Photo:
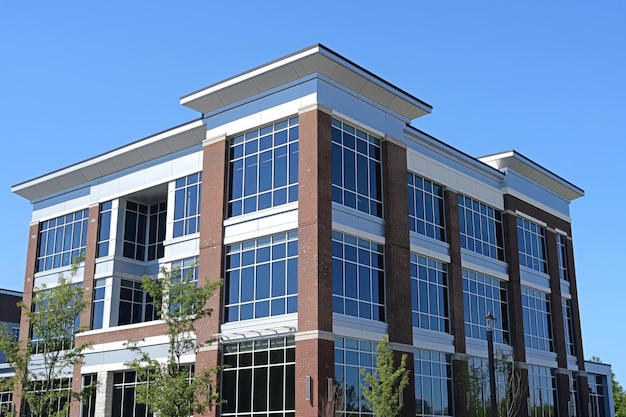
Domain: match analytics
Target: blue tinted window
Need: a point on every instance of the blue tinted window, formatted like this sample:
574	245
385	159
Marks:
482	295
537	321
263	168
358	286
481	228
61	240
187	204
531	240
429	295
265	282
356	169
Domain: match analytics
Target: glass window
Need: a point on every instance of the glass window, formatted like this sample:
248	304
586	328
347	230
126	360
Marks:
135	304
187	204
433	383
542	392
260	378
58	395
569	326
536	315
262	277
89	404
263	168
597	402
97	315
352	355
358	277
62	239
6	403
481	228
144	231
41	344
562	251
124	396
183	270
482	295
426	207
531	240
479	388
104	229
356	169
429	294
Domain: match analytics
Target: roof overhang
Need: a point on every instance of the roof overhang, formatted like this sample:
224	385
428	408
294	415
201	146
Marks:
314	60
117	160
519	163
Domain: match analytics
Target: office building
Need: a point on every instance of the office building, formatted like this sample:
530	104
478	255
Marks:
333	221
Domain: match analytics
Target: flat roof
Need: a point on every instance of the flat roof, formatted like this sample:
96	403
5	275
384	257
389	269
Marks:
316	59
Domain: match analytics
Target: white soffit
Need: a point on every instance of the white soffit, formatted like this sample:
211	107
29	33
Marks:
519	163
144	150
316	59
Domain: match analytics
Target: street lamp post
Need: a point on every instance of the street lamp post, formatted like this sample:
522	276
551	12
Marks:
490	322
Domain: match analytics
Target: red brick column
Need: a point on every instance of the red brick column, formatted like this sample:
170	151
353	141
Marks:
211	259
398	259
88	278
314	344
29	282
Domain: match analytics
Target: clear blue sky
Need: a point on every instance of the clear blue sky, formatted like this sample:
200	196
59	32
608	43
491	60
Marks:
547	79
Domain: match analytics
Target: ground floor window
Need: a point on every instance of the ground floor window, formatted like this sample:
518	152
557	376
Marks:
433	383
58	394
124	396
596	396
542	392
352	355
260	378
89	404
6	403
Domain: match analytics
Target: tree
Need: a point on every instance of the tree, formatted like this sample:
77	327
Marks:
43	362
382	388
174	388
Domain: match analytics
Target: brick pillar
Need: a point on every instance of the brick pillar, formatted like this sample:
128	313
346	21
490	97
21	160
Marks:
398	258
29	282
583	394
211	258
455	271
314	343
562	391
455	296
88	278
511	251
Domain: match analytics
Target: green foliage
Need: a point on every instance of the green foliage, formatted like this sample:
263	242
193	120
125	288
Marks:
173	388
44	361
382	388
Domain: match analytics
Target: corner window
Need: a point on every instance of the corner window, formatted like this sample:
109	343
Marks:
426	207
135	304
356	169
61	240
97	307
144	231
187	204
481	228
263	168
531	240
569	326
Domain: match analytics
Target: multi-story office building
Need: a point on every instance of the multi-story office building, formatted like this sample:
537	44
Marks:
333	221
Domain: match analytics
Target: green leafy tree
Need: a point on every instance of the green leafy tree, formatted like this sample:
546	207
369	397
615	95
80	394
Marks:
382	388
174	388
43	362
